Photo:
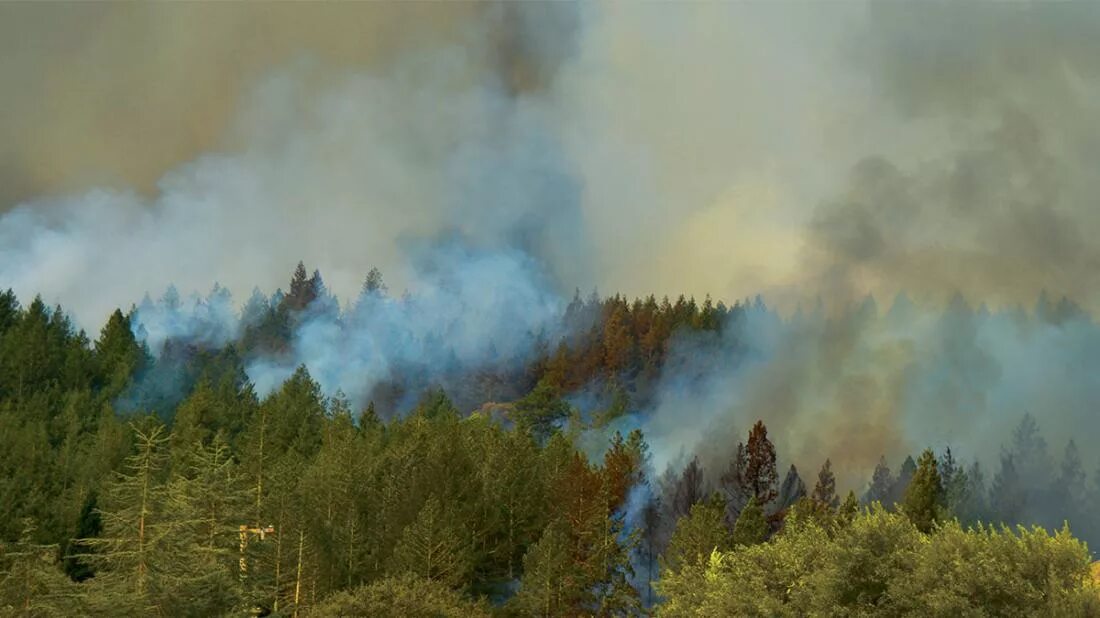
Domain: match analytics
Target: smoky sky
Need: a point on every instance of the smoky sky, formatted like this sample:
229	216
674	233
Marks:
794	150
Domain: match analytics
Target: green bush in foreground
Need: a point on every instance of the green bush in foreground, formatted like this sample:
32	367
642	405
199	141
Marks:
881	564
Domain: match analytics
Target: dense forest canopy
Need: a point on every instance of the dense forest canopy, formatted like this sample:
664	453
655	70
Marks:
145	472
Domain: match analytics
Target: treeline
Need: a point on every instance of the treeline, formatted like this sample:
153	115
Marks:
139	483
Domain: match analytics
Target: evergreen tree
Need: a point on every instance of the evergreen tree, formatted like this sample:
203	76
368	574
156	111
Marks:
550	585
689	490
134	550
206	502
905	475
974	506
882	483
433	547
792	490
760	474
1008	496
735	484
956	485
1070	487
924	497
31	581
848	509
825	490
373	284
119	357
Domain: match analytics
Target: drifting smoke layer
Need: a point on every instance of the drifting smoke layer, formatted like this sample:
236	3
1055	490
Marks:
790	150
466	310
793	150
869	383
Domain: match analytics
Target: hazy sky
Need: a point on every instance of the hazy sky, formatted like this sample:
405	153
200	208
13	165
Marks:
796	149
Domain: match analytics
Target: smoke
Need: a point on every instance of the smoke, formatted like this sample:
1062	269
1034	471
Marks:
490	157
468	311
867	382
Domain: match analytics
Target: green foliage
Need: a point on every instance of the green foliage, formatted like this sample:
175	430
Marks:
31	581
751	527
433	547
923	502
293	506
881	564
401	596
698	535
541	410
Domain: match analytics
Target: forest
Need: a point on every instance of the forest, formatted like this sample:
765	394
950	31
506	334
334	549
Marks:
156	468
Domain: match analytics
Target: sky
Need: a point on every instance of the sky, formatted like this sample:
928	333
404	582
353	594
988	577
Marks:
791	149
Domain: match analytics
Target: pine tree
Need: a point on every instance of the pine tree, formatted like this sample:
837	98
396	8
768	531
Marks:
974	507
689	490
905	475
1008	496
882	483
760	474
1070	488
825	490
550	585
792	490
1030	456
622	467
31	581
373	284
118	356
134	549
955	484
923	503
432	547
848	509
734	484
302	290
206	502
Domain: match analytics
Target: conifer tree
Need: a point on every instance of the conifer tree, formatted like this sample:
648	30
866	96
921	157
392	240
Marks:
923	503
1070	487
882	483
848	509
825	490
901	483
735	483
689	490
760	474
118	355
955	484
433	547
550	585
31	581
792	490
134	550
1007	495
206	504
